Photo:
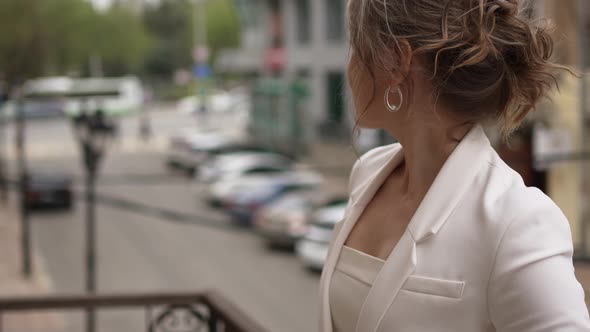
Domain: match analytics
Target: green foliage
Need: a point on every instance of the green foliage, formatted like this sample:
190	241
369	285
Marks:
169	24
40	37
174	27
121	40
223	25
57	37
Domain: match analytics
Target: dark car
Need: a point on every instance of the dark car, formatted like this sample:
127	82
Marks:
46	190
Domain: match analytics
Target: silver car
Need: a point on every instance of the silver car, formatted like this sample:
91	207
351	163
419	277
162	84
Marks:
312	249
184	147
285	221
237	164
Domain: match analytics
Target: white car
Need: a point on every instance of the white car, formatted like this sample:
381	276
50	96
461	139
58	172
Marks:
233	165
219	192
312	249
236	190
186	146
217	102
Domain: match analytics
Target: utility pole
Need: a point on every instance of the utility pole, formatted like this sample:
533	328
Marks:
583	49
201	70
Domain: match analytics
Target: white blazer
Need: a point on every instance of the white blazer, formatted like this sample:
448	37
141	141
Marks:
483	252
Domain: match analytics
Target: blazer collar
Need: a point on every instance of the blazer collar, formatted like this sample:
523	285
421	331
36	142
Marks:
452	181
446	190
445	193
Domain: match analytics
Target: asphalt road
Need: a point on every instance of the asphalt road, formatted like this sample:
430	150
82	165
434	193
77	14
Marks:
139	253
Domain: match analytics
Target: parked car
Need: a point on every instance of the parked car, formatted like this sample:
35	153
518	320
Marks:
47	190
312	249
243	203
217	102
233	165
190	149
184	147
219	192
285	221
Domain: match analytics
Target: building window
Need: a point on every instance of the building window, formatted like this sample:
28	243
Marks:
335	20
303	21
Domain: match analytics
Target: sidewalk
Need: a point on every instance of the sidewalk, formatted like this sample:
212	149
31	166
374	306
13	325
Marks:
13	284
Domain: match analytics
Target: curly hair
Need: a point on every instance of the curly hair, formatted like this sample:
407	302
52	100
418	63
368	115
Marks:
487	58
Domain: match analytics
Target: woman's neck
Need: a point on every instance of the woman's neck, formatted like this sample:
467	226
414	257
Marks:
425	151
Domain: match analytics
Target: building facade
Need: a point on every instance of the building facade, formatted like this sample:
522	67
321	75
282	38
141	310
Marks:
304	41
316	47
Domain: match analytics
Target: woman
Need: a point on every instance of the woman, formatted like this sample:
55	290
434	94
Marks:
440	234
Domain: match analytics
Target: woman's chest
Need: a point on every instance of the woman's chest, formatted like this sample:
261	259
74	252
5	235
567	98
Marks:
380	225
436	284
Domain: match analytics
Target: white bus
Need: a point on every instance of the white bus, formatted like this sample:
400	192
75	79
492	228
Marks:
55	96
115	96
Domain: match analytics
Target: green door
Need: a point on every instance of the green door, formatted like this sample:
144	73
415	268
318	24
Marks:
335	87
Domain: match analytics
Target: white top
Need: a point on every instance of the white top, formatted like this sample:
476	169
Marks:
482	253
353	277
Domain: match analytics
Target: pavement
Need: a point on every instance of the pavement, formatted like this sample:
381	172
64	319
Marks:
12	282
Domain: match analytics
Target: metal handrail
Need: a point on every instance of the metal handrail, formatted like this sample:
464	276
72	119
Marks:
221	310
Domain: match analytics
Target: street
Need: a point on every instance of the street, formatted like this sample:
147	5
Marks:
138	253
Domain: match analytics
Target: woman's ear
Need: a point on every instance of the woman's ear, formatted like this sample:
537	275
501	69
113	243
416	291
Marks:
403	63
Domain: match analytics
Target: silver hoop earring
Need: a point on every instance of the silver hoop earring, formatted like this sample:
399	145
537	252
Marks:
390	107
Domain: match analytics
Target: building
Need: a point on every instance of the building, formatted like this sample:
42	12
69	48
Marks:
316	48
564	179
248	59
304	41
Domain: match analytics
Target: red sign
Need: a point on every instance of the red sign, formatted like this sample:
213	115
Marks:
275	59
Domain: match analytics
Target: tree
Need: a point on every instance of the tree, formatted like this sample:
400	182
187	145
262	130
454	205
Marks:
121	40
173	26
39	37
169	23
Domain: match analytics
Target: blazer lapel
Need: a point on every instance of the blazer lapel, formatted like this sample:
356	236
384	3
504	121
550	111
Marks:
359	198
448	187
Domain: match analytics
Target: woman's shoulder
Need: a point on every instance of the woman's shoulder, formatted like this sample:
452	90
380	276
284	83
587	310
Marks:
523	216
515	202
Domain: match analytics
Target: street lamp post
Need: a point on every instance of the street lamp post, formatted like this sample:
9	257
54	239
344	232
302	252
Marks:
93	132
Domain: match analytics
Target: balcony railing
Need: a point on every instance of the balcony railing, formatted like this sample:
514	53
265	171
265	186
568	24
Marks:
170	312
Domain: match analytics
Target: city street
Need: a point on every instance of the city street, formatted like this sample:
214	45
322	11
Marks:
139	253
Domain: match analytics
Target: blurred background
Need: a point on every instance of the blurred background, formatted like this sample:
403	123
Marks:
158	148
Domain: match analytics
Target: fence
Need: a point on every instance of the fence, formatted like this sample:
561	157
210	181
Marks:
206	311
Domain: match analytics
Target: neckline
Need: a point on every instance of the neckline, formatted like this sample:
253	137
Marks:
364	254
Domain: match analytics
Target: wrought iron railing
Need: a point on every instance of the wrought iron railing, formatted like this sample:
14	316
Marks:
165	312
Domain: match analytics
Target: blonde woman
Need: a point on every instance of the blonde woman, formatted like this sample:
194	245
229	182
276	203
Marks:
440	234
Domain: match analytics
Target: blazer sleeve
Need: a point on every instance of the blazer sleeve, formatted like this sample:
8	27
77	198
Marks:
532	286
